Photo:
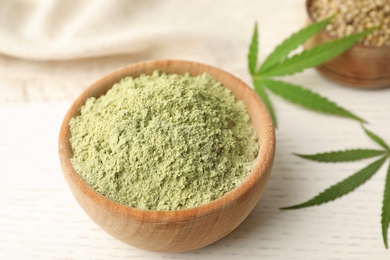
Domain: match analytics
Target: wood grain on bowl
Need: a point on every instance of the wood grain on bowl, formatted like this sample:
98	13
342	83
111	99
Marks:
180	230
366	67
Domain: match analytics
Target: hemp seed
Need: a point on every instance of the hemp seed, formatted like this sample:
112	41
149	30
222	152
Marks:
354	16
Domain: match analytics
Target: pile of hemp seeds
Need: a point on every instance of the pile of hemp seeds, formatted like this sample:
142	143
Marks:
354	16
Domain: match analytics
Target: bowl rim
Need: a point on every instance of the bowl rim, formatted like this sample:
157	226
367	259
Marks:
261	168
358	44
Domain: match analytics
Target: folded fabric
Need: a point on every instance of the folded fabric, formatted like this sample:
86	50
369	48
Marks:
57	29
98	36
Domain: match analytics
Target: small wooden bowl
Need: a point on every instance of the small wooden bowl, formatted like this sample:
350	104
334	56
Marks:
366	67
180	230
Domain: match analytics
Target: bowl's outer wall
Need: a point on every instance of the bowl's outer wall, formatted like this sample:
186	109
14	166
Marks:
361	66
184	230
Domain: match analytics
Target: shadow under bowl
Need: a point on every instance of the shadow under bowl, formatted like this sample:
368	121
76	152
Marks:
177	230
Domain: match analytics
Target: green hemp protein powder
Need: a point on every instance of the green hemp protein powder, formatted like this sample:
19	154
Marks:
163	142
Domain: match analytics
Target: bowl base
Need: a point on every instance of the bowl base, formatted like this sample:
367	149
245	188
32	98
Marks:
354	82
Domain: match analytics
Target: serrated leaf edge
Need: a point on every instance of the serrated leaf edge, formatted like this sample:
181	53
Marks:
330	153
346	113
253	51
289	66
385	216
291	43
376	138
259	88
376	165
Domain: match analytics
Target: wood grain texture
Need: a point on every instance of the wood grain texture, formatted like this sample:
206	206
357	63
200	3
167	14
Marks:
366	67
178	230
40	219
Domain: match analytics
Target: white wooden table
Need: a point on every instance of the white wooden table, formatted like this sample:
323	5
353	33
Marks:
39	218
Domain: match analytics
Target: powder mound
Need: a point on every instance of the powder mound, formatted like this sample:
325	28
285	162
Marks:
163	142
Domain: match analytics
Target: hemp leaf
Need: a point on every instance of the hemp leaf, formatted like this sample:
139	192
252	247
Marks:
376	138
278	63
386	209
260	90
290	44
344	187
306	98
253	50
343	156
352	182
315	56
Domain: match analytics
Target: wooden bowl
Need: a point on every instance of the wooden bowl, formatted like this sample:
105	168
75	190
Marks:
179	230
366	67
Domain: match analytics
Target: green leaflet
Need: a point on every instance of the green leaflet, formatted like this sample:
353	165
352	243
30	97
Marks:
259	88
343	156
278	63
376	138
355	180
253	51
308	99
386	209
344	187
278	58
291	43
315	56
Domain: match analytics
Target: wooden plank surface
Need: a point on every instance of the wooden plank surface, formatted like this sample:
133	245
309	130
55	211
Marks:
39	218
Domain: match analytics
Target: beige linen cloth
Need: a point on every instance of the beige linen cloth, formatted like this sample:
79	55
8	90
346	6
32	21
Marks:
68	29
52	49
